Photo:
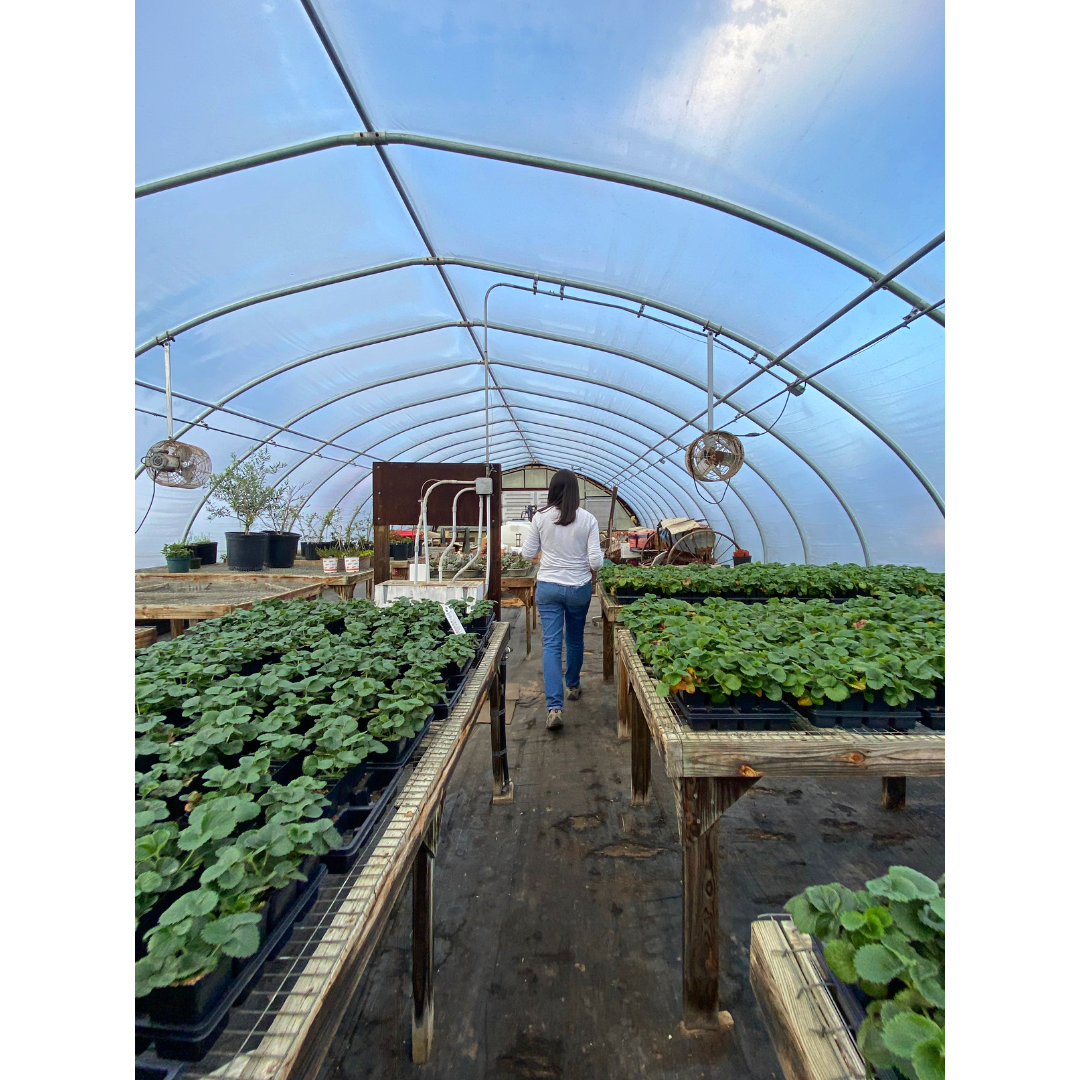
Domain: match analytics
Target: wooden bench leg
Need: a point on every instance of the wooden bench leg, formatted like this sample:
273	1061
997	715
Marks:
893	792
344	591
423	943
622	698
608	633
701	802
177	627
640	754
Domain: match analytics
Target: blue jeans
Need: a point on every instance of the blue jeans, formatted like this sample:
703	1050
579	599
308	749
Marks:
556	603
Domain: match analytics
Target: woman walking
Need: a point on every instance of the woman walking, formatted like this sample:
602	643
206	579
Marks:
568	540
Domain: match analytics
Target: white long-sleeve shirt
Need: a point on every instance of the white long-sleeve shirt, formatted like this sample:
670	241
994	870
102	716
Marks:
569	553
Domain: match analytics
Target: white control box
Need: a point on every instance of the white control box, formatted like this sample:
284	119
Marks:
484	485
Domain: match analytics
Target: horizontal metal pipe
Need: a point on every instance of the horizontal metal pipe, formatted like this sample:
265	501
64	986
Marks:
592	172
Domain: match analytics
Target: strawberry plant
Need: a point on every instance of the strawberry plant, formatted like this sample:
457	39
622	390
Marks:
888	940
211	823
772	579
886	649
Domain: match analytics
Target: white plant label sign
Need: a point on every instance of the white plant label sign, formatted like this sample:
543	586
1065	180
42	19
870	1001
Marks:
452	619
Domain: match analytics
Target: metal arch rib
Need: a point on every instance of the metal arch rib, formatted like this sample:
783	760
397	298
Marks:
337	397
399	186
588	453
592	172
451	260
806	461
592	452
552	412
594	456
477	264
320	355
380	339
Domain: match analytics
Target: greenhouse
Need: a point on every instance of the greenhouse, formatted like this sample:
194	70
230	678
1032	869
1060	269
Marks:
469	331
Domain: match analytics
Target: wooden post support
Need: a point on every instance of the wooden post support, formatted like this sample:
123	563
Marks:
177	627
502	788
423	942
380	561
699	802
607	631
640	754
622	698
893	792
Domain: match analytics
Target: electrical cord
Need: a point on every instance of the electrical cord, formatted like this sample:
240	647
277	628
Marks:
153	492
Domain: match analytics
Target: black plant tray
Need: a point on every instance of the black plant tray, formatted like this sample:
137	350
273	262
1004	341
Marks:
482	627
770	716
398	753
192	1041
697	598
851	1003
934	718
361	819
442	709
887	719
342	789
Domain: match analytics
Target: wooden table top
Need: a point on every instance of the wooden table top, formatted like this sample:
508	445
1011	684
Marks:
802	751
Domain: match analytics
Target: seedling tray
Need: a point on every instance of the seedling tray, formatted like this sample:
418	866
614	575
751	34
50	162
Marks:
442	710
697	598
361	820
192	1041
398	753
770	716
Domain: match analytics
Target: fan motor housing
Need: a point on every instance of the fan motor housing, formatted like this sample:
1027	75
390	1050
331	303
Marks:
159	461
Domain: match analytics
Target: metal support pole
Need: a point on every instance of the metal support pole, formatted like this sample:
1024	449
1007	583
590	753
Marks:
168	391
502	790
709	379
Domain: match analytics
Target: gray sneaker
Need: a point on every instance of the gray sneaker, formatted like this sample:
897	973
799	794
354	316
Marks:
554	720
573	693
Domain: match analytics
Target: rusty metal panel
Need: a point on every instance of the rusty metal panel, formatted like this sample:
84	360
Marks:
396	492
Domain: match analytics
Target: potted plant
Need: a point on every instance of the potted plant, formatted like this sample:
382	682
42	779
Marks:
401	546
310	534
281	516
202	547
243	491
177	558
741	556
333	559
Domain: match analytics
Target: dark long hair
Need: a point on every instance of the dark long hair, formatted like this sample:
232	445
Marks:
563	493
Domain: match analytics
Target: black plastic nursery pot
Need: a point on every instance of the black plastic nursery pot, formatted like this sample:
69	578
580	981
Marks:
404	549
183	1027
399	751
281	549
246	552
357	821
178	566
207	552
740	560
307	550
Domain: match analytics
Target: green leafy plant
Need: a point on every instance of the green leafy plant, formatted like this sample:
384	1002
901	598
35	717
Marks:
243	490
889	940
772	579
282	511
889	649
211	822
176	551
202	538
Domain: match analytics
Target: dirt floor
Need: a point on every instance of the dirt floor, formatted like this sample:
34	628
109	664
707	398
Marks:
558	919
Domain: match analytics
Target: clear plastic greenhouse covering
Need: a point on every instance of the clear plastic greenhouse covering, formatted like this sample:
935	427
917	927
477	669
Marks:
326	192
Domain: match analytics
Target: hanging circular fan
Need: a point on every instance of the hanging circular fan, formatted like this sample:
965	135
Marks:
177	465
716	455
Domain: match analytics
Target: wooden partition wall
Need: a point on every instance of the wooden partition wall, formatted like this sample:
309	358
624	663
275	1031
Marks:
396	490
